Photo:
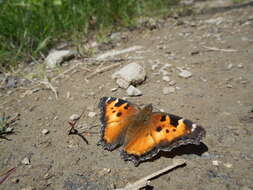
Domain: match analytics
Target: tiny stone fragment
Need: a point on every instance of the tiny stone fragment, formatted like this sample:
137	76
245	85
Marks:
45	131
230	66
166	78
114	89
132	91
172	83
74	117
92	114
215	162
239	66
228	165
25	161
28	188
168	90
185	74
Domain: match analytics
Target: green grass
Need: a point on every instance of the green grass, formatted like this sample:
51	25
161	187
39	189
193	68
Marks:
31	27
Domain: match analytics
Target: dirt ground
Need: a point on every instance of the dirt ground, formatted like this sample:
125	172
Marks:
216	47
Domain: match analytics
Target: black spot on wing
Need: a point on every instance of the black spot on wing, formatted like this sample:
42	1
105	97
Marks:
159	128
126	106
188	123
163	118
119	114
120	102
174	120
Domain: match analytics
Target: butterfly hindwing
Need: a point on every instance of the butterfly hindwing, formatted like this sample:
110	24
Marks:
162	132
115	114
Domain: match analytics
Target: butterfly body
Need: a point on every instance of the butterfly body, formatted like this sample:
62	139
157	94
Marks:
142	132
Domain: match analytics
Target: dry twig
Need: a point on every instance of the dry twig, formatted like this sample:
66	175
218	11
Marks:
146	180
101	70
217	49
49	85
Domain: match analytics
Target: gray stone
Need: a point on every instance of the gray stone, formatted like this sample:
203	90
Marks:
168	90
132	91
45	131
132	73
11	82
92	114
185	74
166	78
25	161
172	83
74	117
56	57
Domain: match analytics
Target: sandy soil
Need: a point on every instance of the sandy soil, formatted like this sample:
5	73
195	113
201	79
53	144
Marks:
219	96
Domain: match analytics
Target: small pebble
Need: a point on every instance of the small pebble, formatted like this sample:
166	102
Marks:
74	117
166	78
164	72
230	66
45	131
194	52
216	162
15	180
172	83
168	90
229	86
92	114
25	161
239	66
132	91
228	165
28	188
185	74
114	89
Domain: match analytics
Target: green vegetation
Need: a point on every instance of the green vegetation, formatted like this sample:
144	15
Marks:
239	1
31	27
5	126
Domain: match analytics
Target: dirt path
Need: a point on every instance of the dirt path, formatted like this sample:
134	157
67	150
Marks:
217	48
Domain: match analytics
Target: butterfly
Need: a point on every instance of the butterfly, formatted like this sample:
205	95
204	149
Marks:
142	132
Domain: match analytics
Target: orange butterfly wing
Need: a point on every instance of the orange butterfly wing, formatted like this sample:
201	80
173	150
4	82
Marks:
115	117
162	132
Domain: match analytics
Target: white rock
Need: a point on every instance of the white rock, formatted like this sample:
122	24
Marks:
165	66
28	188
74	117
122	83
164	72
240	66
56	57
114	89
185	74
230	66
172	83
166	78
45	131
216	21
132	91
216	162
92	114
228	165
25	161
132	73
168	90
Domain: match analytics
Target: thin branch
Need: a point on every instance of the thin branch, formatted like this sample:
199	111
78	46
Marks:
146	180
106	68
49	85
217	49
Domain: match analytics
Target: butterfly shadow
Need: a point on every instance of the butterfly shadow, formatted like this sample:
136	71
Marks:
182	150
